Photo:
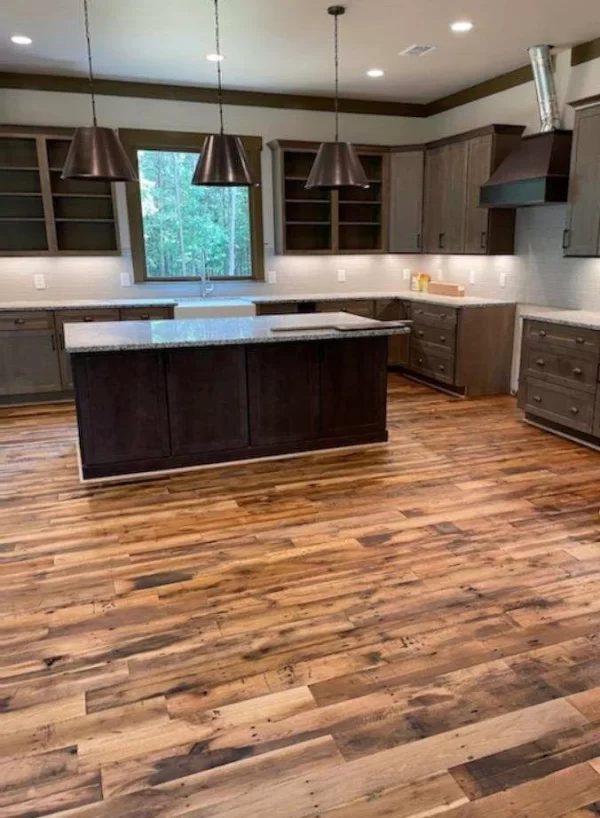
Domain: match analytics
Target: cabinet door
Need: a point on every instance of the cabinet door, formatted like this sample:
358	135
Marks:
583	214
207	413
478	172
28	362
406	201
353	380
398	345
435	182
63	317
122	406
283	384
454	197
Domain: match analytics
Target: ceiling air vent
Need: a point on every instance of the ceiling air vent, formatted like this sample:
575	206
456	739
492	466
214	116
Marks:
417	50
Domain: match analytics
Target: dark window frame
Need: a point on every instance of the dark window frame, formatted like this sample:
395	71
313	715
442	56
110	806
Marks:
134	140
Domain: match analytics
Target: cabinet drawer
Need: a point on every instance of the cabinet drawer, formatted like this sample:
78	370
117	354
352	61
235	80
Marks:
434	315
428	360
568	407
561	366
15	321
365	308
86	316
579	338
443	339
144	313
280	308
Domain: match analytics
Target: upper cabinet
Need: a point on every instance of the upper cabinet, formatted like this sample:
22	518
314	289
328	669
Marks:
455	169
42	214
407	168
582	233
348	220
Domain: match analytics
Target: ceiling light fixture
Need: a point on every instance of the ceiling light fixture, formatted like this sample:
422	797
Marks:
337	163
96	154
462	26
21	39
215	57
223	160
375	72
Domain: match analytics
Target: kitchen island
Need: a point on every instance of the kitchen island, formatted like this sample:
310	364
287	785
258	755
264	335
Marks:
165	395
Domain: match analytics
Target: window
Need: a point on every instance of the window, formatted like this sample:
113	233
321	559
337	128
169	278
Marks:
182	231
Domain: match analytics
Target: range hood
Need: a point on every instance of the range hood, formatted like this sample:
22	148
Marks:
537	171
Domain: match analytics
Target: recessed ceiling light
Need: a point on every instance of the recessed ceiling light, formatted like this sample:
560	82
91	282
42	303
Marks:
462	26
215	57
21	39
375	72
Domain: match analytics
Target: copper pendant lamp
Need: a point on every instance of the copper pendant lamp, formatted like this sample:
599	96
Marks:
223	160
96	154
337	163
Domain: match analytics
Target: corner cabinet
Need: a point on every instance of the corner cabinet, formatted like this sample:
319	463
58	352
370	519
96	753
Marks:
407	169
42	214
582	230
455	169
348	220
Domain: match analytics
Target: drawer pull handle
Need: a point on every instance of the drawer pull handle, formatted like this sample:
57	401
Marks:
443	315
537	399
580	340
145	316
420	333
88	318
442	338
578	371
574	410
541	362
19	321
483	243
542	333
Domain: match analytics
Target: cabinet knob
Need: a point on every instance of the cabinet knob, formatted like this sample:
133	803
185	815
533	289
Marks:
541	362
19	321
574	410
442	338
420	333
580	340
542	333
420	360
537	399
441	367
578	371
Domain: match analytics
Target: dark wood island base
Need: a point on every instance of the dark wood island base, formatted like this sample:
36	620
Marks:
162	409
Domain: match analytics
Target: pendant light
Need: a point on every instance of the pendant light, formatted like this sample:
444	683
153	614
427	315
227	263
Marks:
223	160
337	163
96	153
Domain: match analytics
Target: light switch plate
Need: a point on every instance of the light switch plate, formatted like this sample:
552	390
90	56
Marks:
125	280
39	281
341	276
406	274
271	276
472	277
503	279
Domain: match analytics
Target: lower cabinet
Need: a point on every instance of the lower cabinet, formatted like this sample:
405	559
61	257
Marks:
558	380
29	362
75	317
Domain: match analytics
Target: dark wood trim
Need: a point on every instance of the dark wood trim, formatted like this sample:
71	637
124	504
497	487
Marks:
134	139
487	130
483	89
585	102
584	52
187	93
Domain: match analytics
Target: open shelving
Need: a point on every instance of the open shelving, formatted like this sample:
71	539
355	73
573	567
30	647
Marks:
42	214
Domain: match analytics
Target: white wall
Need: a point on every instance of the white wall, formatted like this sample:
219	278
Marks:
537	273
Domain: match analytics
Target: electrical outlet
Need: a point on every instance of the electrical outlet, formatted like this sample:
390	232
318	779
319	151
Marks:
341	276
472	277
39	281
503	279
406	274
271	276
440	274
125	280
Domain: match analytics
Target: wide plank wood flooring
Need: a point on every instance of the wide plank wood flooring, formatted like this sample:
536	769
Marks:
404	631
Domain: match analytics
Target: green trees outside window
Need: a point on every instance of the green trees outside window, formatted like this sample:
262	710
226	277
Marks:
191	231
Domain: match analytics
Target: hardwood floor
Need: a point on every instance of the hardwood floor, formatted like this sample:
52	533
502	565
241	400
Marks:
403	631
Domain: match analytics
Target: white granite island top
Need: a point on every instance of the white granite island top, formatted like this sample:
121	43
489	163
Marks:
115	336
576	318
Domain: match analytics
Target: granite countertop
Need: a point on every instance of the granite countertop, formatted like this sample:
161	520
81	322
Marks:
577	318
111	336
95	303
405	295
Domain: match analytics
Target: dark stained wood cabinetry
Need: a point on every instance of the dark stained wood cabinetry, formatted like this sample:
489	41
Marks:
407	168
163	409
582	232
28	362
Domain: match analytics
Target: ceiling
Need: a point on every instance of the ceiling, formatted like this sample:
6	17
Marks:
286	45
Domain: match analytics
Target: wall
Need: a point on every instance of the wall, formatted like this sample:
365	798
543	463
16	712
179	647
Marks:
538	272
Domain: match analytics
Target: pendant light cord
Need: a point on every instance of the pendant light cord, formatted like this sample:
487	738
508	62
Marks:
90	64
219	76
337	79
